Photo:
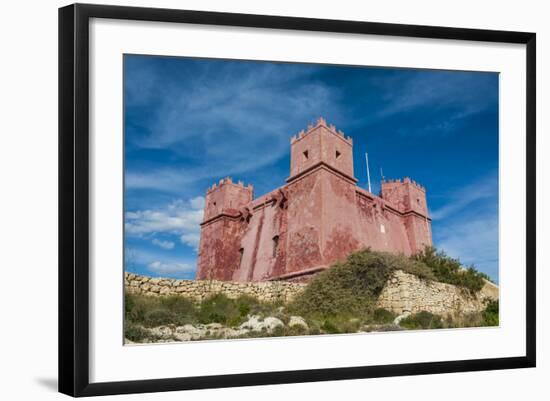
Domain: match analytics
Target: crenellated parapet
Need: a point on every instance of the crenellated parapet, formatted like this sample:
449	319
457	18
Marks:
321	145
229	181
406	180
406	195
321	122
226	198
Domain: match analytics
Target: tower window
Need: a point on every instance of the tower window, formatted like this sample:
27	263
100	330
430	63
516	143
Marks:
306	155
241	252
338	154
275	245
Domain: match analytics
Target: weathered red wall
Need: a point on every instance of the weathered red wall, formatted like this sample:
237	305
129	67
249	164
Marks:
319	217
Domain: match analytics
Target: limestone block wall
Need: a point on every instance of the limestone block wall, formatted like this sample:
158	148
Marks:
201	289
407	293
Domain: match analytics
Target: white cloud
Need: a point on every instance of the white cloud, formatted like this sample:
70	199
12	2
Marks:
163	244
158	263
191	239
197	203
484	188
473	240
467	226
181	217
169	268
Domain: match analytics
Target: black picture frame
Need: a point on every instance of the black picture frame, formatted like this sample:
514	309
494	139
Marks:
74	198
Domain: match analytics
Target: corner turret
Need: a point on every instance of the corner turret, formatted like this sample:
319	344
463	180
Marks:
409	198
226	197
406	195
321	144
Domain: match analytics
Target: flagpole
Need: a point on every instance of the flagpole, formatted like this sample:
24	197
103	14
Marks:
368	172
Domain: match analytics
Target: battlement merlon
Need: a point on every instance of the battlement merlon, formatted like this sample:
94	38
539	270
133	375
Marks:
321	122
229	181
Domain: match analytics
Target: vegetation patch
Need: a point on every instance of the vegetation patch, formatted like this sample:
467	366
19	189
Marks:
422	320
343	298
352	287
449	270
137	333
177	310
382	316
490	316
155	311
426	320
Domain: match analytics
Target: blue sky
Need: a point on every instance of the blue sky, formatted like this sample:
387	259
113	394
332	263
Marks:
189	122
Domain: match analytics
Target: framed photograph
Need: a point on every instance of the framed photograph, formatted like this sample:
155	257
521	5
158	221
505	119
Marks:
251	199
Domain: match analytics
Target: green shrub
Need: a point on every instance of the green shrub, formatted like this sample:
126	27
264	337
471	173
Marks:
249	305
449	270
487	317
329	327
155	311
179	305
382	316
337	325
129	303
346	289
422	320
134	307
136	333
244	309
158	317
486	277
463	320
218	308
491	314
351	288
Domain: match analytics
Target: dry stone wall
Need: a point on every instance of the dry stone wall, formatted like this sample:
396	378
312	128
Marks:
201	289
408	293
403	292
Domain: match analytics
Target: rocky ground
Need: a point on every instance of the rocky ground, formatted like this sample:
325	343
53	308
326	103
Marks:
255	326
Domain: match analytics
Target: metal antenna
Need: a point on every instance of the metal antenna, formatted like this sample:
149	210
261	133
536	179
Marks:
368	171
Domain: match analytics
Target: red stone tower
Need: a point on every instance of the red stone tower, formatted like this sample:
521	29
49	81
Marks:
410	199
221	229
321	144
321	212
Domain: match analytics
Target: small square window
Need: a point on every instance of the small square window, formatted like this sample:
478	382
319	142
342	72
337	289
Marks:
338	154
241	253
275	245
306	155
